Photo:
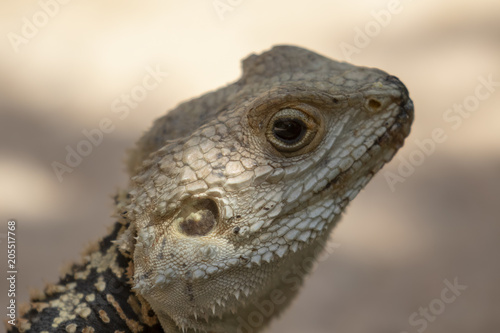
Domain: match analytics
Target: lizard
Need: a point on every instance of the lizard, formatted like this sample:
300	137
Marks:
229	193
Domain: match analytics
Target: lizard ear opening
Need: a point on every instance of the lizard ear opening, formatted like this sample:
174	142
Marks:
198	217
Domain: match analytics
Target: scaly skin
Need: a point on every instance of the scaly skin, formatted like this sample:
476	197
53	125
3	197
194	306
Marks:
233	192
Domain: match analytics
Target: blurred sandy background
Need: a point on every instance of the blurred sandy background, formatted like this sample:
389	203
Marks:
396	247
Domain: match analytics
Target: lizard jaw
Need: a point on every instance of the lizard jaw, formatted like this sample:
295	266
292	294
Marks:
391	140
364	167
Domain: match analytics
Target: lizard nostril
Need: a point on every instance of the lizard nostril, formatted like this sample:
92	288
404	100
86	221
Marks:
374	104
198	216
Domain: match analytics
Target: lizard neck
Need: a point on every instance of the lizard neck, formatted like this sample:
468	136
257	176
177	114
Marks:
94	296
248	313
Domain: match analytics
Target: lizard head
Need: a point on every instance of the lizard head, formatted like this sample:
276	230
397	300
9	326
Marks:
218	213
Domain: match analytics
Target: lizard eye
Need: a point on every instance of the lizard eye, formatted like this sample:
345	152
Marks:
290	130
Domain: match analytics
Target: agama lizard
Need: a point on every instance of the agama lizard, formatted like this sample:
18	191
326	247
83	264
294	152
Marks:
228	192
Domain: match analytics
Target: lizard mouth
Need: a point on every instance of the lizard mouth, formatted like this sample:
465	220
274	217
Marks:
396	133
399	128
389	142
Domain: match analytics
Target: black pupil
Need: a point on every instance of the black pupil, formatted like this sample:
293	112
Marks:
289	130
